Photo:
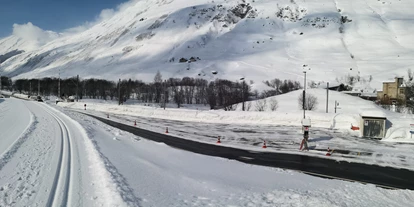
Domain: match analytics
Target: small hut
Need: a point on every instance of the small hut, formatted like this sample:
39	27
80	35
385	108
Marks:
373	124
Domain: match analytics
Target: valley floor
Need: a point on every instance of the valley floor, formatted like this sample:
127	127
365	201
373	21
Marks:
281	138
94	164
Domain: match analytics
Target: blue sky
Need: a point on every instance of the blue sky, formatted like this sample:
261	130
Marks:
55	15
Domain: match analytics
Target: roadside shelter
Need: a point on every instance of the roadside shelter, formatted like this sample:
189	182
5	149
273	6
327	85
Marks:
373	124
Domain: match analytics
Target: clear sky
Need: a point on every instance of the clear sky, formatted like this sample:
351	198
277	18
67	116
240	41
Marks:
55	15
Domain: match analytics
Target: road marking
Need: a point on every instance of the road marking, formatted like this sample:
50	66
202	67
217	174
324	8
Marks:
345	179
246	158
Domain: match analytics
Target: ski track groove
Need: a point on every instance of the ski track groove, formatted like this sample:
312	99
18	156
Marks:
61	175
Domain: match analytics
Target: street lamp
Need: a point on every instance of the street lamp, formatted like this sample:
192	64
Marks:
59	86
304	95
243	83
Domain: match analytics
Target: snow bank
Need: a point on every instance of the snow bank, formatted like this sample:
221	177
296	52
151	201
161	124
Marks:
21	96
288	112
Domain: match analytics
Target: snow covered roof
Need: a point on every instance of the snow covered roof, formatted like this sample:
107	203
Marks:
351	92
373	113
369	94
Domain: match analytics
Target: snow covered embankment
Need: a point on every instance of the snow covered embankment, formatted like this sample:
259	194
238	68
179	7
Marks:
288	112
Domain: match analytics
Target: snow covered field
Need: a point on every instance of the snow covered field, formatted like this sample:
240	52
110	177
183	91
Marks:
110	167
281	129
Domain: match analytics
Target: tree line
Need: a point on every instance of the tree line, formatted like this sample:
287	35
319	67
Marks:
218	94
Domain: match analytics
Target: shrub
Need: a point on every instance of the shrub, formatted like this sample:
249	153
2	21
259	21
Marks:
261	105
248	106
274	104
311	102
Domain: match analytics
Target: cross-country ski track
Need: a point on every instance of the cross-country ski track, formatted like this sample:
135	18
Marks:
49	164
65	158
60	189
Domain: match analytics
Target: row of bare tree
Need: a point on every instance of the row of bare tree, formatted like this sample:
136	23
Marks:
218	94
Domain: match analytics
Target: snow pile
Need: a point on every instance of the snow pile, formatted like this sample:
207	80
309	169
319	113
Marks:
21	96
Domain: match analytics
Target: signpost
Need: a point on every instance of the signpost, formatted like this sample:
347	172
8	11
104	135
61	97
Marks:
306	124
411	130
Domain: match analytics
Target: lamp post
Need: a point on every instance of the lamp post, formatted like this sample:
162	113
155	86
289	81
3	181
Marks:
243	84
304	96
59	86
119	92
165	92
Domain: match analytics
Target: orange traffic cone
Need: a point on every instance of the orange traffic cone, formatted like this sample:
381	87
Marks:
166	131
264	144
218	140
135	123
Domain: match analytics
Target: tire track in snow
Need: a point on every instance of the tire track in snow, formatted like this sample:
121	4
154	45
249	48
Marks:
61	183
126	192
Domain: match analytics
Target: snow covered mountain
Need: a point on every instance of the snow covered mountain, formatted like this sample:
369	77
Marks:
256	39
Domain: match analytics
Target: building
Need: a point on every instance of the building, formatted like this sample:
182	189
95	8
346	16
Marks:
392	92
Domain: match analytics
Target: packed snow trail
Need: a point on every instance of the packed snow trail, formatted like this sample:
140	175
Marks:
51	163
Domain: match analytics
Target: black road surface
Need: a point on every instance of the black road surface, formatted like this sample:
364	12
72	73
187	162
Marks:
386	177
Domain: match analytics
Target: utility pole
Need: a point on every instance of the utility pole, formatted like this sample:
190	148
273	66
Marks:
119	92
38	87
304	97
165	93
243	92
336	104
59	85
30	89
77	87
327	96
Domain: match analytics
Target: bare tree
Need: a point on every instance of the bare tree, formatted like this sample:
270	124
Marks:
311	102
261	105
274	104
232	107
410	75
248	106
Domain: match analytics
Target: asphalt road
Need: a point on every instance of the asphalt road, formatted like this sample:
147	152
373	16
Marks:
386	177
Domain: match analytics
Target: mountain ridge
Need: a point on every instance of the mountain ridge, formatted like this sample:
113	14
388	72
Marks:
258	40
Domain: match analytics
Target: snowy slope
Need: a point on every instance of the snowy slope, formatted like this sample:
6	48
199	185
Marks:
272	39
288	113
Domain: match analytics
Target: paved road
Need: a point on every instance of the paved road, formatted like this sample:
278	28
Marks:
381	176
